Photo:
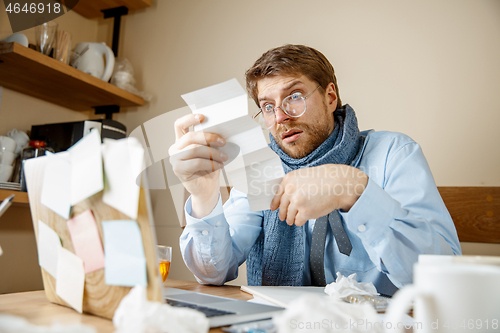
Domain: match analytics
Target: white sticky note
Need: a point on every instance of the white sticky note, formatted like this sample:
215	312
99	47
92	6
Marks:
86	167
48	244
86	240
70	279
56	188
123	161
124	253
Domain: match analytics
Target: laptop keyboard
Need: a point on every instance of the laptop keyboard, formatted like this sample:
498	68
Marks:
209	312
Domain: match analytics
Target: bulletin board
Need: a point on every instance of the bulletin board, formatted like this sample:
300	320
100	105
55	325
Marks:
99	298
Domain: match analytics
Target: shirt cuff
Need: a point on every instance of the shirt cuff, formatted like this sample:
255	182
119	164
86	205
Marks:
372	213
215	212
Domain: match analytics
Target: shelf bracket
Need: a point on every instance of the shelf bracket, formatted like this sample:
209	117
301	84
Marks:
117	13
108	110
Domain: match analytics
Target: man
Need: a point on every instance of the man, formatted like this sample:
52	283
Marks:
374	209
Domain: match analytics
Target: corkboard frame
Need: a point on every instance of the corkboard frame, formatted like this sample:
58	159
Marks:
99	298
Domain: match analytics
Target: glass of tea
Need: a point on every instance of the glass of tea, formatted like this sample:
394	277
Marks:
164	257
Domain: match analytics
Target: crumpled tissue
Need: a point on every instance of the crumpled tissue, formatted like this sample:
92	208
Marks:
135	314
347	286
14	324
313	313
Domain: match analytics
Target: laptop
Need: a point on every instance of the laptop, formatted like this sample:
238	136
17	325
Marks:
220	311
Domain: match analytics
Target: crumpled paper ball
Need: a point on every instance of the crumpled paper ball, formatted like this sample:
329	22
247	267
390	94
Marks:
15	324
347	286
135	314
313	313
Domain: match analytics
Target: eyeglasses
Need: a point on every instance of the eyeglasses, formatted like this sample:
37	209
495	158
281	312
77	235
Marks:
293	105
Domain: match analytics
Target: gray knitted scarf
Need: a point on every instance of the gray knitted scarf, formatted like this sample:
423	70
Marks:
277	257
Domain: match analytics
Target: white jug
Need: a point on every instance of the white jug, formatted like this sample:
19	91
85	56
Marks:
91	61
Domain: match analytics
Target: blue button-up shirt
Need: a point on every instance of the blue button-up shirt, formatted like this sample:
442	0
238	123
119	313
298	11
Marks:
399	215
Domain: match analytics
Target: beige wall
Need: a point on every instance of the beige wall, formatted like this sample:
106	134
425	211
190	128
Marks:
430	69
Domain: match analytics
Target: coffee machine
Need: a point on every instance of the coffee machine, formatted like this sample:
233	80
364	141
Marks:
61	136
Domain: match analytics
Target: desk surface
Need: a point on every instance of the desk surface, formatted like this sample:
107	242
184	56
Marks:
35	307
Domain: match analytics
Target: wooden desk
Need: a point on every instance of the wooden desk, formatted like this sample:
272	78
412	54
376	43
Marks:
35	307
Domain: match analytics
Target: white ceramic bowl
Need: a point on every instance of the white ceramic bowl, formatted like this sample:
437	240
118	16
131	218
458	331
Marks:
5	172
7	144
7	157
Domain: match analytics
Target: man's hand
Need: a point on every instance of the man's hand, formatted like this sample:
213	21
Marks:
310	193
197	163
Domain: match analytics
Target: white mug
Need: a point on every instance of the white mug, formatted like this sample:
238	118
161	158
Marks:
7	157
450	298
5	172
434	259
7	144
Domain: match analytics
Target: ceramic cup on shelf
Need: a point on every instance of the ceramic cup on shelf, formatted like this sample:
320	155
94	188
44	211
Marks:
7	144
5	172
7	157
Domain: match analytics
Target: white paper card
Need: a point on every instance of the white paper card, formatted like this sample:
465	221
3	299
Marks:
48	244
70	279
56	189
123	161
214	94
86	167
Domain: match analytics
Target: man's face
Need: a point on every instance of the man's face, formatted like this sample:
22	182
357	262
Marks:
299	136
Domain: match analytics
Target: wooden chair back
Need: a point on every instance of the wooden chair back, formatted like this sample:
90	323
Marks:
475	212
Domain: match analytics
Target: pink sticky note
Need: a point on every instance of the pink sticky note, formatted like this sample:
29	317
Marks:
86	241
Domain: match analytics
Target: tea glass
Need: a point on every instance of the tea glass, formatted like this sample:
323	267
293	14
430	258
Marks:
164	258
45	35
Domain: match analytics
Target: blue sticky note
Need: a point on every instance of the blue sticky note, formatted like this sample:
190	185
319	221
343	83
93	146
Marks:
125	262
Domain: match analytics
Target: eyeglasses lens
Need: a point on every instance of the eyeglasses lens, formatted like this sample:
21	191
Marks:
293	106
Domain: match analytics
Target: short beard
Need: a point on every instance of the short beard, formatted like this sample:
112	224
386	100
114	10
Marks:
317	133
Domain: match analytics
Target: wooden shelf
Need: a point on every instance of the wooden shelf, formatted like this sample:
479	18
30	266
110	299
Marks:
32	73
20	197
92	8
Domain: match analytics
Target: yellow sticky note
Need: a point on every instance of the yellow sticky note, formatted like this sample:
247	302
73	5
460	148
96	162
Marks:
70	279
